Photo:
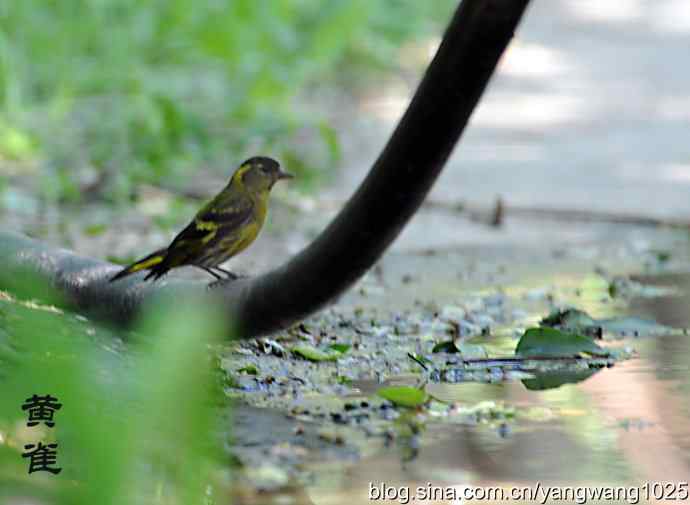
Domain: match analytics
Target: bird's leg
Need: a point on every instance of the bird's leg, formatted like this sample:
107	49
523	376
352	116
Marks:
230	275
218	277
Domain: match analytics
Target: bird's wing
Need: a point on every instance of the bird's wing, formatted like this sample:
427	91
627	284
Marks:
215	216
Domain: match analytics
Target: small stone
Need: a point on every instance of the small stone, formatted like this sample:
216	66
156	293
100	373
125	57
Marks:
338	418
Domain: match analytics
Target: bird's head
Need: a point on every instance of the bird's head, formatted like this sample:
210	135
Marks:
259	173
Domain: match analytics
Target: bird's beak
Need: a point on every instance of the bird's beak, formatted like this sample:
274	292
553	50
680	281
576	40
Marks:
285	175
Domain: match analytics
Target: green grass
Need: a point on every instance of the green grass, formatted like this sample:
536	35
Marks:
108	94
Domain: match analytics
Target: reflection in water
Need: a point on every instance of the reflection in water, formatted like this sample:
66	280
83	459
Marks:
555	379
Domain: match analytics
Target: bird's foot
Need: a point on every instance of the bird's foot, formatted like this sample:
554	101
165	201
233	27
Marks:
228	277
231	276
216	284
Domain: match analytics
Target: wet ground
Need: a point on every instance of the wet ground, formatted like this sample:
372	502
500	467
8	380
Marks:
625	424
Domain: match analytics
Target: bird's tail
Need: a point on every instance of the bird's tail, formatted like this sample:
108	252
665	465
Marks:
152	262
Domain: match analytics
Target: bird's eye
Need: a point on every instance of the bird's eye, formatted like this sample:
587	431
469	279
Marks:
261	167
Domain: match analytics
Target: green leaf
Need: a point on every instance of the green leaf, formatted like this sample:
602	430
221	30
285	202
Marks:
342	379
447	346
94	230
313	354
551	343
404	396
341	348
662	255
249	370
231	382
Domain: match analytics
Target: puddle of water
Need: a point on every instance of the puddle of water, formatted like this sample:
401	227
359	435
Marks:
625	425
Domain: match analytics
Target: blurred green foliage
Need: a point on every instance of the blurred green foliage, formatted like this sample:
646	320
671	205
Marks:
99	96
137	425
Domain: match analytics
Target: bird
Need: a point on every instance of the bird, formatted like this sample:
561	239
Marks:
223	228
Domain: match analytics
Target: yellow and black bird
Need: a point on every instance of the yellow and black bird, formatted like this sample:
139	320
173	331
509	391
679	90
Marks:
224	227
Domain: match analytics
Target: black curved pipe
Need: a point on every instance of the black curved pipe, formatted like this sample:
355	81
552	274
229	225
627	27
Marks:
394	189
